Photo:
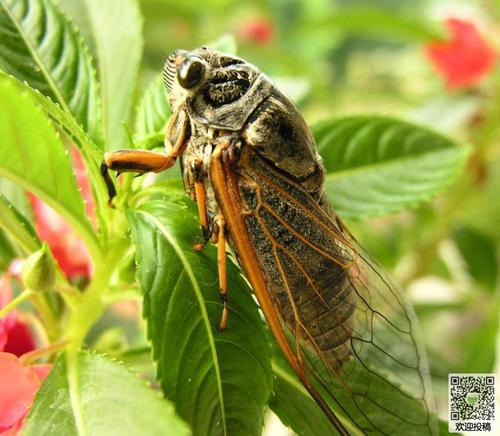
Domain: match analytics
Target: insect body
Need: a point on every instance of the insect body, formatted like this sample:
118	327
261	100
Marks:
249	161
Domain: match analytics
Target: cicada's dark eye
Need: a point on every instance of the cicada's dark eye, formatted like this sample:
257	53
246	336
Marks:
191	72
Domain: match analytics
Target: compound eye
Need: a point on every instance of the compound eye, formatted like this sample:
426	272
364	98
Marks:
191	72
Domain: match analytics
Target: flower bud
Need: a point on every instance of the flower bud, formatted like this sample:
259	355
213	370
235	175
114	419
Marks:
39	270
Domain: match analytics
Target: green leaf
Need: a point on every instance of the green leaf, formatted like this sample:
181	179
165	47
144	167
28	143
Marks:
64	120
67	123
33	156
17	227
40	46
295	407
379	165
94	395
17	196
152	115
7	252
116	29
219	381
479	253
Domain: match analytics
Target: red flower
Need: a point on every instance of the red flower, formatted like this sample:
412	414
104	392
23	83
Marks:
257	30
18	387
463	60
66	246
15	336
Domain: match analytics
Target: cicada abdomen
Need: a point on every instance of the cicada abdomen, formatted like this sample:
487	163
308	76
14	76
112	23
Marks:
249	161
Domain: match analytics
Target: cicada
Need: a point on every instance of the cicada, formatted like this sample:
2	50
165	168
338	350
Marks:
249	161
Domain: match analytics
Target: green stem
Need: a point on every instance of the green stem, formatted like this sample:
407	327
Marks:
29	358
23	296
50	322
92	304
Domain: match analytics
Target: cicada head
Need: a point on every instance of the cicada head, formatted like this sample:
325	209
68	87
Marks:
217	89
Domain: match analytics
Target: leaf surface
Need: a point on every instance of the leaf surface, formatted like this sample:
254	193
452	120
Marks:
379	165
218	380
33	156
97	396
152	115
41	46
116	28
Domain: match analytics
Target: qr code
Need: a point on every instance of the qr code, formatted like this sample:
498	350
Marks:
471	403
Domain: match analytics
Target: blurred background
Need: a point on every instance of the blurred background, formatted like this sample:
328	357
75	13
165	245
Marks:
433	62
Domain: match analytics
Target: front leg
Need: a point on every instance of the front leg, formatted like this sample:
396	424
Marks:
134	161
145	161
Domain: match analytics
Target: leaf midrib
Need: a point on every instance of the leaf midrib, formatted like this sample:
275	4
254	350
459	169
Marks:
189	271
390	162
37	59
74	391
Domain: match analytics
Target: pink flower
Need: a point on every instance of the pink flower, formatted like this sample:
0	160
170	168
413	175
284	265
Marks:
15	336
258	30
465	58
66	246
18	387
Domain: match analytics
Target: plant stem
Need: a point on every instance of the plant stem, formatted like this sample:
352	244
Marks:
50	322
92	305
23	296
29	358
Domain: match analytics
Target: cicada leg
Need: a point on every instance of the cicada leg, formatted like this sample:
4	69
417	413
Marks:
220	226
201	202
145	161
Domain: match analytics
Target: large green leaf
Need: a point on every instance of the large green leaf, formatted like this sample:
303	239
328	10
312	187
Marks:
93	395
67	123
40	46
64	120
378	165
152	115
218	380
115	32
33	156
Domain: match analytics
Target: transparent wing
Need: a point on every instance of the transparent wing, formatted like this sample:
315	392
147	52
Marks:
352	330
